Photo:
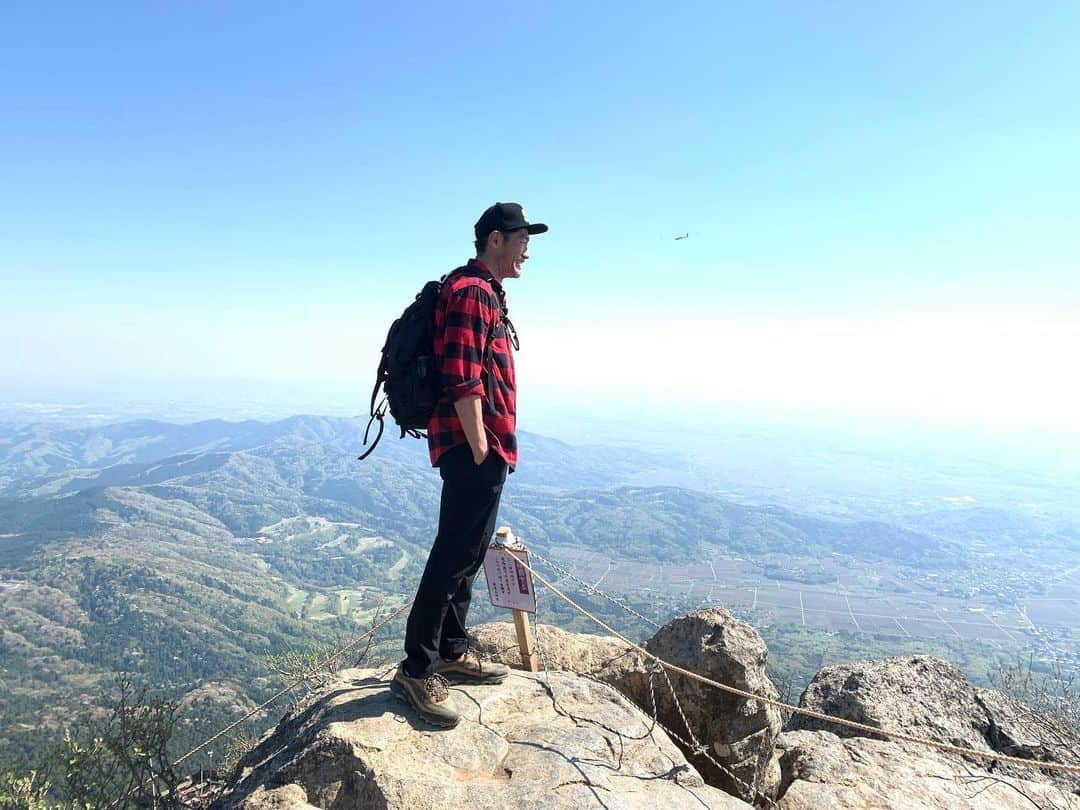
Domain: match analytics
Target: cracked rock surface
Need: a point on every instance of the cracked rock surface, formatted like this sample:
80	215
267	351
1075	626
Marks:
569	742
740	733
822	770
926	697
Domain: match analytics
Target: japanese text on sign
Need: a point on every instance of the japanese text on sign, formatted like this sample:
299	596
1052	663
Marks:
509	582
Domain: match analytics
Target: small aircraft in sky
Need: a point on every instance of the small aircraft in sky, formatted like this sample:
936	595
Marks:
684	236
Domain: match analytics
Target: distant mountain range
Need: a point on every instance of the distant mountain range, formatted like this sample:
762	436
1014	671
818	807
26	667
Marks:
248	474
186	553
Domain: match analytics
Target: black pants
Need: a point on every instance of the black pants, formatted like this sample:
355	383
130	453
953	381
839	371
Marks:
467	512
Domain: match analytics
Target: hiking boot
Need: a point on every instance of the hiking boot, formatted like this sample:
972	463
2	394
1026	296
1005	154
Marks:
429	696
470	669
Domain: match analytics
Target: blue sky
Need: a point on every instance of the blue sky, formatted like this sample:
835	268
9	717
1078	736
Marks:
881	201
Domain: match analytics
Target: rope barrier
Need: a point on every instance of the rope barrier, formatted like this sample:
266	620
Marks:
665	667
693	744
826	718
328	661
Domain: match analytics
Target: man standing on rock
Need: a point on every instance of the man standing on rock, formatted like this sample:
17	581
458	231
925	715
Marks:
471	438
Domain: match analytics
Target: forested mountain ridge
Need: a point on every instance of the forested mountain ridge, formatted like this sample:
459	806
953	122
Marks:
186	553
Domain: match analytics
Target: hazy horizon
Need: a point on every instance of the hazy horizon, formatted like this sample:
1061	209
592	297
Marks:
780	450
877	201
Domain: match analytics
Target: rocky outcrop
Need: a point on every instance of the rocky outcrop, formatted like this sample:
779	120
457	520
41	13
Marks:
922	695
559	741
926	697
822	770
815	764
738	733
1019	731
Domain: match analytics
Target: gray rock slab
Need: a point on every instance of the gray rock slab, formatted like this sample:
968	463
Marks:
563	742
739	733
821	771
926	697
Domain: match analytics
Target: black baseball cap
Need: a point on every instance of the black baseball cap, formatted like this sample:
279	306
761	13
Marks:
505	217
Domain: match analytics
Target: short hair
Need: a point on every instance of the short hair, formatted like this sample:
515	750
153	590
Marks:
481	244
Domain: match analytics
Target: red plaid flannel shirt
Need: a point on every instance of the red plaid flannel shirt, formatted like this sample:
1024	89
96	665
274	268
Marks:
469	323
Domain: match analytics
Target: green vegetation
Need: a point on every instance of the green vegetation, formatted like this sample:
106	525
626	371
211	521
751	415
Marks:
27	792
117	758
188	555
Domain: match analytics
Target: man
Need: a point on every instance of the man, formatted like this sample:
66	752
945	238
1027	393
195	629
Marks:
471	439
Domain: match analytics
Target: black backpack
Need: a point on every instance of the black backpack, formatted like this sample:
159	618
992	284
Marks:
408	373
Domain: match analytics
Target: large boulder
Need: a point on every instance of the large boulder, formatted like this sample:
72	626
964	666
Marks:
921	695
737	732
822	770
554	741
925	697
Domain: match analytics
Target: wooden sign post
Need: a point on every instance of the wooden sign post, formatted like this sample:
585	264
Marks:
510	585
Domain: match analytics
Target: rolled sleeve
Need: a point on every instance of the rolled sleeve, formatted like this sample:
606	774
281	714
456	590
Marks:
469	317
468	388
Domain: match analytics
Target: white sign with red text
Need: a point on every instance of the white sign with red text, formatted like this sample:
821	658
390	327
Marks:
510	584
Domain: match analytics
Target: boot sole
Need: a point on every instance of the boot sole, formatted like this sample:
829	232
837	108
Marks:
399	692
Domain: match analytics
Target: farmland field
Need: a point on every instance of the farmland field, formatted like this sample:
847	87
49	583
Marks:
852	602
